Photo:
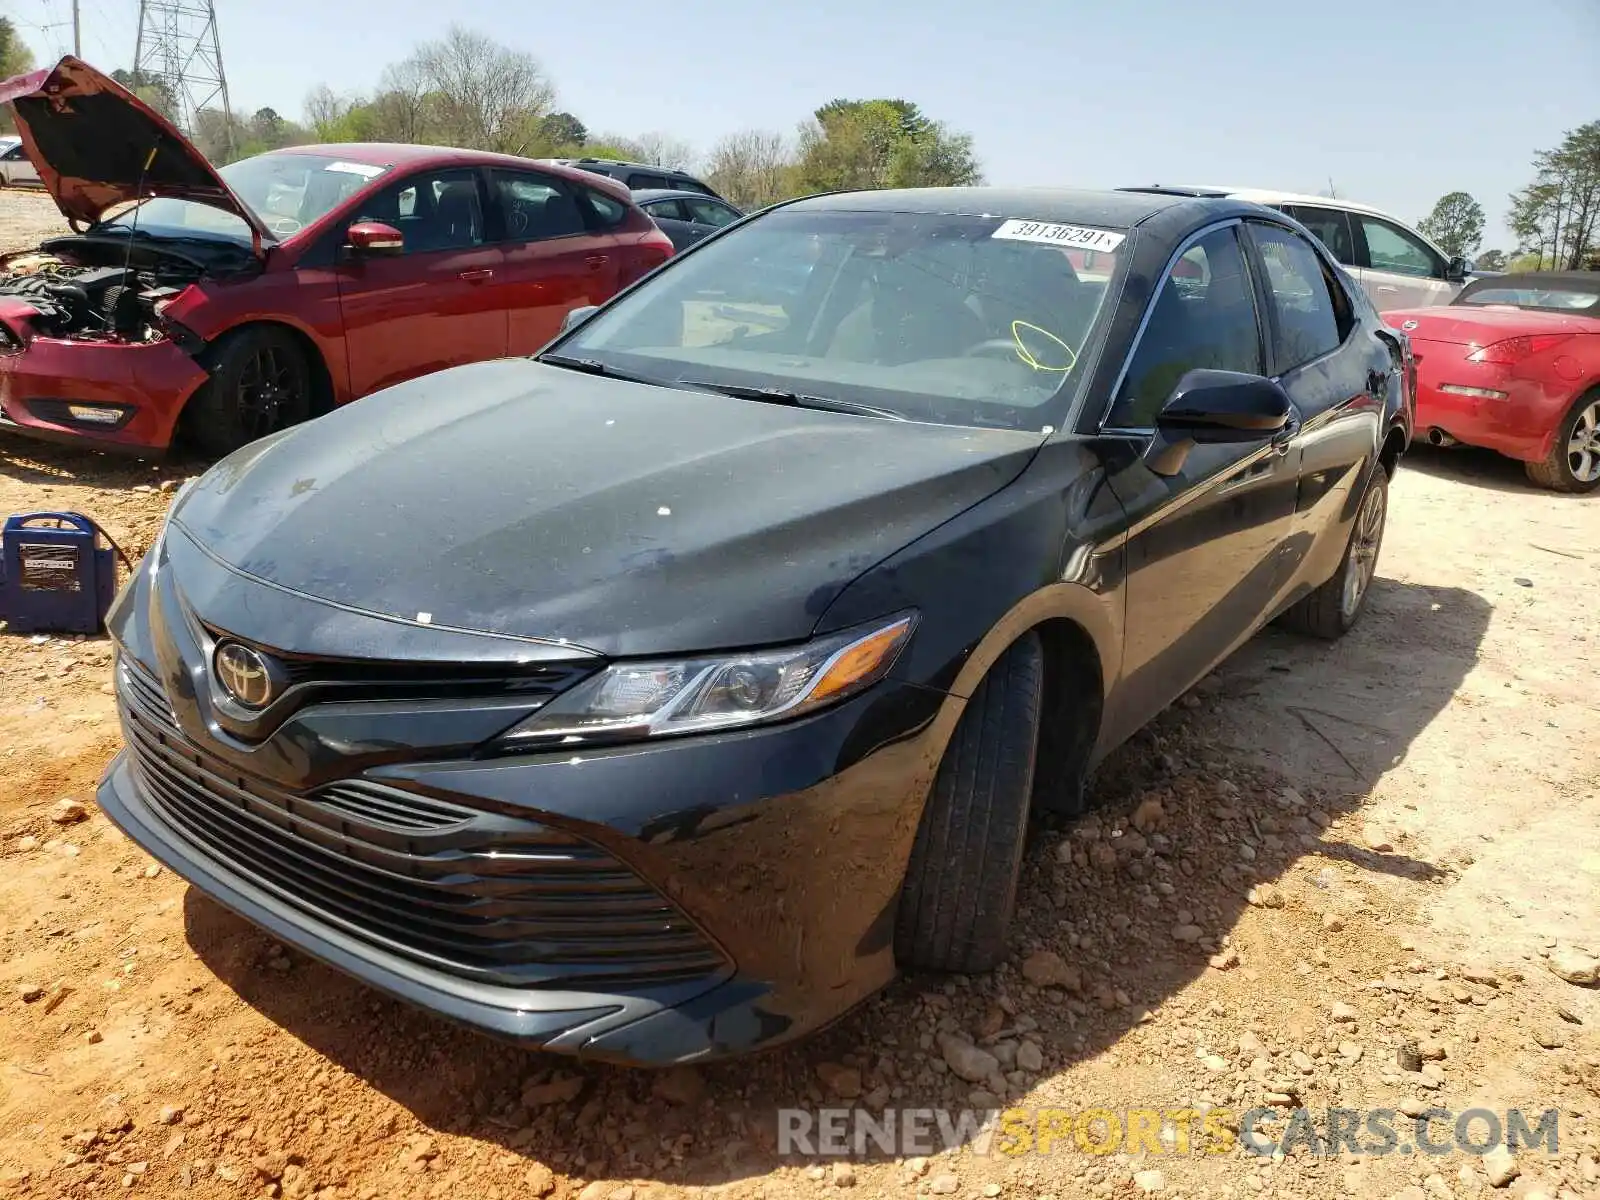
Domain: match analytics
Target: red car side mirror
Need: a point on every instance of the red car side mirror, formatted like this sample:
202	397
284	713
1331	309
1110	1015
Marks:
374	237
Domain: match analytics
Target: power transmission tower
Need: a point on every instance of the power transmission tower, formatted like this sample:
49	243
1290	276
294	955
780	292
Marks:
179	52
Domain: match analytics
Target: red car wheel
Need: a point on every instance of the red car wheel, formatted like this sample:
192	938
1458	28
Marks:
1573	464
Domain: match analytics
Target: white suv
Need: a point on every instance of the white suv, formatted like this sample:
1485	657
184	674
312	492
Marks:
1398	267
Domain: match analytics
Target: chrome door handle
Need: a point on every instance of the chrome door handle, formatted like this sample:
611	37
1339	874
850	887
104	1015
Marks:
477	276
595	261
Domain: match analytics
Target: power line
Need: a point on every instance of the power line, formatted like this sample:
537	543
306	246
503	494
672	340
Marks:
179	51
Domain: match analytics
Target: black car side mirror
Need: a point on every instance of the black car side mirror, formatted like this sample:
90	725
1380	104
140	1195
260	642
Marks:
1457	269
578	316
1211	407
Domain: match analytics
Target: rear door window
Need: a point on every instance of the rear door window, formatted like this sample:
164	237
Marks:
536	208
1332	227
709	212
1311	314
670	210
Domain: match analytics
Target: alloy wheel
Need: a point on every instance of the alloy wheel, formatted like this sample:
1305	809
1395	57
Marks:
1583	446
1362	563
266	385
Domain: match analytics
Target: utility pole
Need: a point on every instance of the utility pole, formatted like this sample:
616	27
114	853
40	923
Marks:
179	51
77	32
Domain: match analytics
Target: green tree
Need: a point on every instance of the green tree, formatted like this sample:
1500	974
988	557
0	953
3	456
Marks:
1455	224
153	92
1557	216
15	58
1491	260
856	144
563	130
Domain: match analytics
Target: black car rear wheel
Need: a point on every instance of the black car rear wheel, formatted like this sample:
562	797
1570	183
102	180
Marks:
1334	608
260	383
961	886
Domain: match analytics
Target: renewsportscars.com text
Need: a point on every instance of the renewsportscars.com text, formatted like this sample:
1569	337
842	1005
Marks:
1013	1132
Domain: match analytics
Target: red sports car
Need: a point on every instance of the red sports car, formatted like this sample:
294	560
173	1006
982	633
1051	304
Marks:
1513	364
233	302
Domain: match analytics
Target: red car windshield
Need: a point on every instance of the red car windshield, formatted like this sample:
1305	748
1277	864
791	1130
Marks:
287	191
1557	299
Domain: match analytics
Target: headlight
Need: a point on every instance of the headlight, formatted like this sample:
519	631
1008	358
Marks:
629	701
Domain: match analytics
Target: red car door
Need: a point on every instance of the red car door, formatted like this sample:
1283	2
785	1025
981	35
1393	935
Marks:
558	255
434	304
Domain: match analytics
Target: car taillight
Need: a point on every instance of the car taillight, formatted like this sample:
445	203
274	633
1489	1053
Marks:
1514	350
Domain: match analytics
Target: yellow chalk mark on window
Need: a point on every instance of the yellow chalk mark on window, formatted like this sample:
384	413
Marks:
1050	353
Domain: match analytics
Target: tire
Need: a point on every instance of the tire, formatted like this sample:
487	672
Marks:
1577	438
1332	611
224	415
961	885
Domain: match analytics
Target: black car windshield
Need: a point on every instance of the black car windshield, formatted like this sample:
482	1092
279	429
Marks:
1554	297
287	191
967	320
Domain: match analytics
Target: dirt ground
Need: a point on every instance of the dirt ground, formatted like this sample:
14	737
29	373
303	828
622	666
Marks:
1325	866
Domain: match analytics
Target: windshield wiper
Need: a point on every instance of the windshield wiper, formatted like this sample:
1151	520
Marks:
778	395
593	366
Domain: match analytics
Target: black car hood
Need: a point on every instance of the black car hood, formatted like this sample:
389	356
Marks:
520	499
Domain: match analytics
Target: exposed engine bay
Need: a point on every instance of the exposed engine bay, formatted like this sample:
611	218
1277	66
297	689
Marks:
94	289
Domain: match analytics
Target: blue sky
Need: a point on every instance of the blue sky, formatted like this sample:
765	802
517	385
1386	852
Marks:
1397	101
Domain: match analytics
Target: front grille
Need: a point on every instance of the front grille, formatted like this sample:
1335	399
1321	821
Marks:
480	894
369	679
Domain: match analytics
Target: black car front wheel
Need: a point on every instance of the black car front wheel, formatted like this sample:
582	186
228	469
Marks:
1334	608
961	885
260	383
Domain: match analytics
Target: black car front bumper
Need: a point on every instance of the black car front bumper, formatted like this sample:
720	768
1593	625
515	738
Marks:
675	901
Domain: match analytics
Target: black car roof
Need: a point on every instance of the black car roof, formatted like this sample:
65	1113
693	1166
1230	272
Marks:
651	168
1039	204
643	195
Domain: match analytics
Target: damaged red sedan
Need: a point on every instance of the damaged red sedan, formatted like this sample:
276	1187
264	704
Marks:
227	304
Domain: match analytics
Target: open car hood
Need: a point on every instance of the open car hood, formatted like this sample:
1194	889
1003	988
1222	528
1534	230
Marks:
97	145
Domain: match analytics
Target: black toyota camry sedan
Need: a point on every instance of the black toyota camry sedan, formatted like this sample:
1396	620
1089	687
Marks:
654	698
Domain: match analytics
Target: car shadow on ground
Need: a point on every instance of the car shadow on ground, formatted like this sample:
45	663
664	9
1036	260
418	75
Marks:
30	461
1248	768
1479	468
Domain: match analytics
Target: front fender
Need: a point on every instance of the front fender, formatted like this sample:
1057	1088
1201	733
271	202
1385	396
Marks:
1050	547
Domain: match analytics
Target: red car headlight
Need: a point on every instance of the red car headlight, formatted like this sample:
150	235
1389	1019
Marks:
1514	350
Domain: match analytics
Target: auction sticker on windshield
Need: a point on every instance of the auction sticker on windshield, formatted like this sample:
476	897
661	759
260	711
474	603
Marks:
1074	237
365	170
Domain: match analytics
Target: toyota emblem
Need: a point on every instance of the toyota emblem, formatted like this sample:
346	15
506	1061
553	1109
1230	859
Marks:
246	675
1408	326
